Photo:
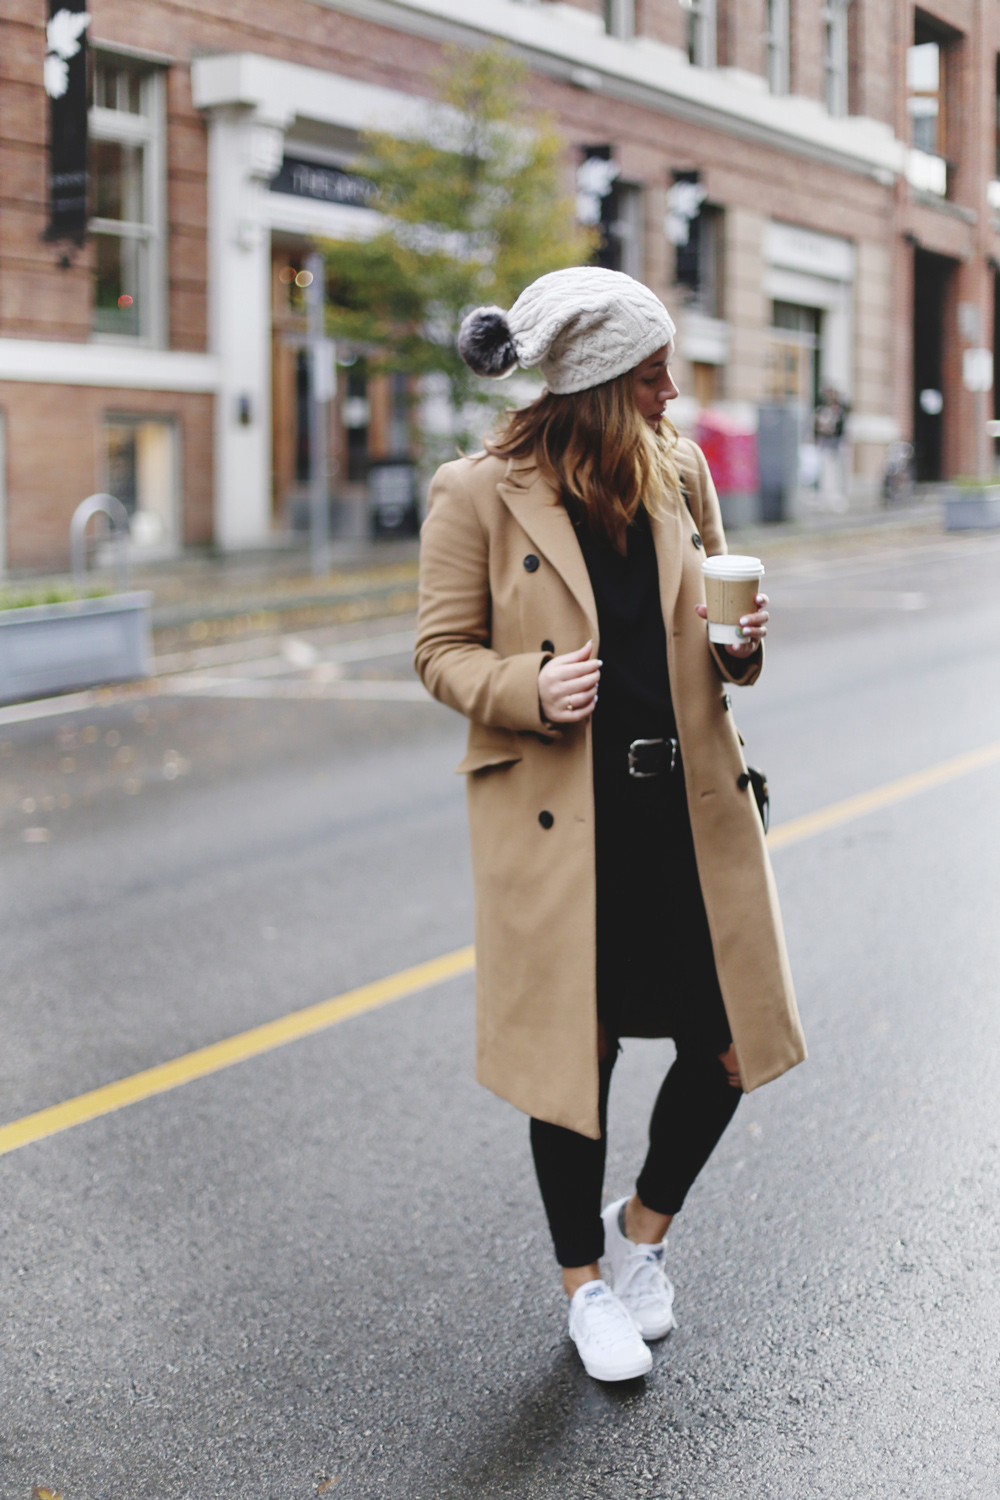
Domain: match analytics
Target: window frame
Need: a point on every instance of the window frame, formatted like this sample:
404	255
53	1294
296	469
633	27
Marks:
777	46
702	24
619	19
627	225
146	130
836	57
115	416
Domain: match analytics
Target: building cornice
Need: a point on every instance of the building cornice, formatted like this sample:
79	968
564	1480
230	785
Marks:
279	92
54	363
646	73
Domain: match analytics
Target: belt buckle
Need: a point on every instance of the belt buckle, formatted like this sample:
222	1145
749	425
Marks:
641	744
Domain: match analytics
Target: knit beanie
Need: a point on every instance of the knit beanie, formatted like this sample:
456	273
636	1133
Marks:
579	327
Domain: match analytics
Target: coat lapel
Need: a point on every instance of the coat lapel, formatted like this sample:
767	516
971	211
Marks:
535	506
668	539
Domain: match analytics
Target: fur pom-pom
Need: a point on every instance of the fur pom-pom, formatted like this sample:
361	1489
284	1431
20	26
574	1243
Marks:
485	342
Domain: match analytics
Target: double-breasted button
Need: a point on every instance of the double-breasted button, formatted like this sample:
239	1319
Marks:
695	540
743	781
727	702
548	646
531	563
546	819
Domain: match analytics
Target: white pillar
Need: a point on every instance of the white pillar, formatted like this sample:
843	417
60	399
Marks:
244	152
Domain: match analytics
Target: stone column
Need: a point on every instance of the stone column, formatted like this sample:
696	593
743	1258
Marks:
245	152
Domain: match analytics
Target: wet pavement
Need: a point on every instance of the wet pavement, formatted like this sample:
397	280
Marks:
325	1270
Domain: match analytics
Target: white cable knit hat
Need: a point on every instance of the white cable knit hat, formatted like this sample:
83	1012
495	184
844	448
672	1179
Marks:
579	327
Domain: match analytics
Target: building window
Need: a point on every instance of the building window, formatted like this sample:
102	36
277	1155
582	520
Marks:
700	32
795	354
140	459
835	56
933	72
698	264
127	187
924	103
622	248
619	18
695	229
776	41
612	207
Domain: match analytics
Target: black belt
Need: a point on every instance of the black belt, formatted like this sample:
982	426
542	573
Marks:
653	757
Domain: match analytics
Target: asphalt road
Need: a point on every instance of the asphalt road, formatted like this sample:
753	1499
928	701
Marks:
326	1270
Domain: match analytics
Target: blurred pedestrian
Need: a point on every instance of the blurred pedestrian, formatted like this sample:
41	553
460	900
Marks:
622	880
829	430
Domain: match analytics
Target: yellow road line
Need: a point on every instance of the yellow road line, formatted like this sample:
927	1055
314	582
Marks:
234	1049
301	1023
881	796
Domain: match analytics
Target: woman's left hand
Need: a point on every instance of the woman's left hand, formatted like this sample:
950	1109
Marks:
753	627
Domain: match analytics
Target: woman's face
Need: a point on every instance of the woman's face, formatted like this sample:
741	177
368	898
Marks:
653	385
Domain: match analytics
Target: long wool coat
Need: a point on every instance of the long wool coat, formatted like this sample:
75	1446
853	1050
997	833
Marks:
503	585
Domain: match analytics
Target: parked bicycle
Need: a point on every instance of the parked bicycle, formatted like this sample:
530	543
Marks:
897	475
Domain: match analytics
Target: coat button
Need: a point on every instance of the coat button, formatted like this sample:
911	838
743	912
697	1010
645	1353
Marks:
727	702
546	819
530	563
548	646
696	541
743	781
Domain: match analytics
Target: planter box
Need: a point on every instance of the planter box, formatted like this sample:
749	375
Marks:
50	648
972	510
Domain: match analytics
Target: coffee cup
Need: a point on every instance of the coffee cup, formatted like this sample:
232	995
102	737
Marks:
732	584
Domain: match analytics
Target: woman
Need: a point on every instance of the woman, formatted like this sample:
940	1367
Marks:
622	881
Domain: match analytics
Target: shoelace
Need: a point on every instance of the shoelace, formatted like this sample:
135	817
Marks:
607	1321
643	1276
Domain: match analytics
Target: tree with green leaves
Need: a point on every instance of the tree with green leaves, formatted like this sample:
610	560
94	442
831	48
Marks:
473	208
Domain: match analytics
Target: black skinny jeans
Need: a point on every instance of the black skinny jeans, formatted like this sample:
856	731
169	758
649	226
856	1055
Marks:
695	1104
655	977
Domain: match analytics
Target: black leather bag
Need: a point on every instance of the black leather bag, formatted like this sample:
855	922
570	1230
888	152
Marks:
758	782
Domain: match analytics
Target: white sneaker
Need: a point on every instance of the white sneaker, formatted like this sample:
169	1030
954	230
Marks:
607	1339
639	1278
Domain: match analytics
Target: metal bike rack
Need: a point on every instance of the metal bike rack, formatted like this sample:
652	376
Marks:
118	521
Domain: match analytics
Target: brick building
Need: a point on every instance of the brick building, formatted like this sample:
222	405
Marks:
810	186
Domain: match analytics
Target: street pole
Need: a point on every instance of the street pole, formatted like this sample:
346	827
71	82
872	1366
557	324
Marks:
321	376
982	437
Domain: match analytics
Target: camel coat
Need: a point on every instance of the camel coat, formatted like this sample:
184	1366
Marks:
503	586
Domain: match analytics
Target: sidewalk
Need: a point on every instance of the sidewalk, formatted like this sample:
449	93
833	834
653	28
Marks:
204	599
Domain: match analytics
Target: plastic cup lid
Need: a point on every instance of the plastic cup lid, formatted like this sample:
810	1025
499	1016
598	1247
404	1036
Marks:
732	567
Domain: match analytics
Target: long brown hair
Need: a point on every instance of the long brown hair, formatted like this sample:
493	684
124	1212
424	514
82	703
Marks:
598	451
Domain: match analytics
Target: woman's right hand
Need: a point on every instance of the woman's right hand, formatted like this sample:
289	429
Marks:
567	686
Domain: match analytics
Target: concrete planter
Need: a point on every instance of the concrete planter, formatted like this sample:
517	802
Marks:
972	509
50	648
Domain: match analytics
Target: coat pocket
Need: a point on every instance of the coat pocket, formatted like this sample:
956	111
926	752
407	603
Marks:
489	747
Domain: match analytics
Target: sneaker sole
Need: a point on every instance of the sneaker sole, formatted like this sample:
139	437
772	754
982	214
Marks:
654	1330
630	1372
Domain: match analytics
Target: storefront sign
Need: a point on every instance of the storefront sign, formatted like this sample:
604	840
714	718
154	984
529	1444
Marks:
804	250
977	369
66	85
310	179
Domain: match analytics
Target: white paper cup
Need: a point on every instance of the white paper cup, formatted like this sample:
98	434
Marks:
732	584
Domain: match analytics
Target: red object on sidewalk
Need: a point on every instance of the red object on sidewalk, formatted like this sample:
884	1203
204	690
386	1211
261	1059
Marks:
730	451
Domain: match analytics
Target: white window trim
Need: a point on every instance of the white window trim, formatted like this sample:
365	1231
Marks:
835	56
776	46
619	18
149	131
631	227
702	15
